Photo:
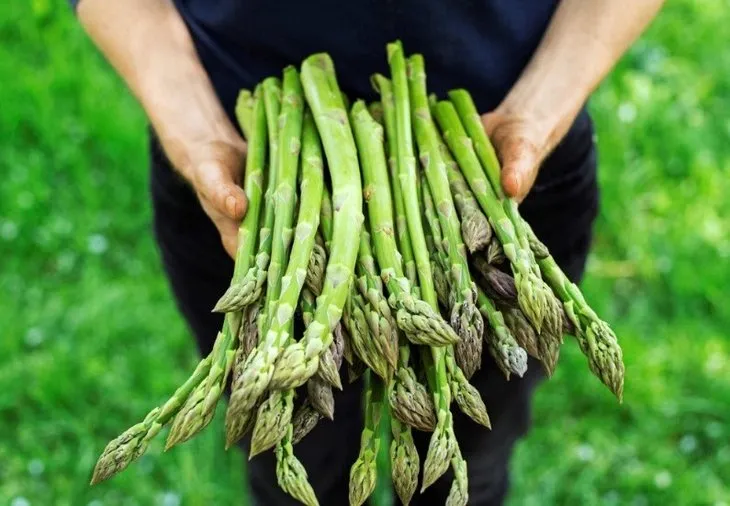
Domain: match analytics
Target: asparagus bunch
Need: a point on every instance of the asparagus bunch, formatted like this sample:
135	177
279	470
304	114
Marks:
443	266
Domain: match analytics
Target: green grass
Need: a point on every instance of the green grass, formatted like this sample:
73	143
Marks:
91	338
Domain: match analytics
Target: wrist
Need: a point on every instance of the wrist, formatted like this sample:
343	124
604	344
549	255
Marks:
185	112
548	105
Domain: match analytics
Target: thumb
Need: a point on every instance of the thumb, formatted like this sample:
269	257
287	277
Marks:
520	161
215	184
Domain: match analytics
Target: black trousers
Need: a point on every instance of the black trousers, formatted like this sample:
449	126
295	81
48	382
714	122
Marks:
561	208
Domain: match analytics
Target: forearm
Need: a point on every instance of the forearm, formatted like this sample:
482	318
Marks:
148	44
584	41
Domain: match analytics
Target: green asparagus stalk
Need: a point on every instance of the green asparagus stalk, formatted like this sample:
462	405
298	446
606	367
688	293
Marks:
133	442
363	340
521	329
468	350
280	304
317	264
495	254
326	217
510	358
435	244
475	227
250	287
199	407
384	86
534	295
595	337
312	186
244	112
319	392
300	361
304	421
405	463
416	318
443	442
383	328
363	472
498	285
467	397
471	120
459	493
410	401
465	316
290	473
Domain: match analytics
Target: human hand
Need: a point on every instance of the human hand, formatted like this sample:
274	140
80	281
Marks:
148	43
214	169
521	144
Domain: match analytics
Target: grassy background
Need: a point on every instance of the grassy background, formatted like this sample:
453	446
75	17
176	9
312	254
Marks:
91	338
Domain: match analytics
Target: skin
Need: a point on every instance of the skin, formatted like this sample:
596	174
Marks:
146	41
583	42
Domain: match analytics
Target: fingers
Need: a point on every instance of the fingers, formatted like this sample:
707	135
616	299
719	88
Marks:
215	184
519	166
216	178
517	150
227	227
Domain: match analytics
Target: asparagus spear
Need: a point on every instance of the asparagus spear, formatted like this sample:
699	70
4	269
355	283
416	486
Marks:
420	322
384	86
290	476
305	419
471	120
301	360
483	148
459	493
510	358
465	317
290	473
363	472
244	112
382	324
409	400
249	288
534	295
468	350
498	285
278	310
317	264
521	329
405	462
475	228
435	243
595	337
326	217
443	442
199	407
551	334
133	442
319	392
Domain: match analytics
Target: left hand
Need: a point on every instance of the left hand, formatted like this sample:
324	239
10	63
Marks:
521	145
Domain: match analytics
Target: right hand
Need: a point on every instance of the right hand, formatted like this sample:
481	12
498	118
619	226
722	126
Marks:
148	43
214	169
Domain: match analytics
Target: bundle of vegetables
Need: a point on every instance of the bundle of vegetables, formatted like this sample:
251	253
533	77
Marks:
401	266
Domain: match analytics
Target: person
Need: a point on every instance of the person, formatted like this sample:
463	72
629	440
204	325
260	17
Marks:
531	67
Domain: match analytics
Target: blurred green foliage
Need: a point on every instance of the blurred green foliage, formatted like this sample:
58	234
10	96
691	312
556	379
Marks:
91	337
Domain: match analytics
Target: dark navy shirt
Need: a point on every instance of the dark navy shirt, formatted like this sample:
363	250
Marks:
480	45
